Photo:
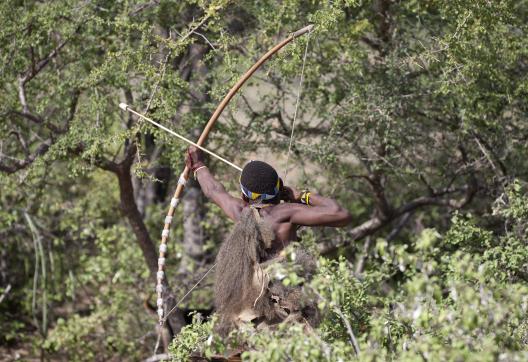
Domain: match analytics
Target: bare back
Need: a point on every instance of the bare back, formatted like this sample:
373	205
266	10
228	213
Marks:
284	218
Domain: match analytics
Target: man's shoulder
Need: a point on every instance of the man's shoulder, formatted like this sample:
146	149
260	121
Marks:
285	207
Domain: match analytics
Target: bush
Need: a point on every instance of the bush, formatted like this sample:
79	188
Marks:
460	296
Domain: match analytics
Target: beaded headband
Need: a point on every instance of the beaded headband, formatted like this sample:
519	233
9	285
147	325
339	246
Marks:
262	197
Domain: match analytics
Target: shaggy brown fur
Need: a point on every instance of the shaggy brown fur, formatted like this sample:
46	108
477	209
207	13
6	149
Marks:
293	300
235	266
235	289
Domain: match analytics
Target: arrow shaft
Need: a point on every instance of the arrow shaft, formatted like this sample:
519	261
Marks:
183	138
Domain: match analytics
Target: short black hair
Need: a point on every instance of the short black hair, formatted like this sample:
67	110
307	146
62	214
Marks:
259	177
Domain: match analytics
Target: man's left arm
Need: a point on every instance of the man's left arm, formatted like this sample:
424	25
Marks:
211	187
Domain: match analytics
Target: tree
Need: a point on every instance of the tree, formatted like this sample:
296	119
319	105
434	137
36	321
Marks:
409	111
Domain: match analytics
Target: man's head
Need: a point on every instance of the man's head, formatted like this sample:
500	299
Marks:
260	182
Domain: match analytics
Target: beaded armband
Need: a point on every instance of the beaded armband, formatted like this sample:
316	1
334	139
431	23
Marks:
305	197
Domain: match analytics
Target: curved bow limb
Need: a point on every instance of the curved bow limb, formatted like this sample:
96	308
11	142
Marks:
201	140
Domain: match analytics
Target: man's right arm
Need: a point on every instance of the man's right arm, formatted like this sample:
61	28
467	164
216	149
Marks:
322	211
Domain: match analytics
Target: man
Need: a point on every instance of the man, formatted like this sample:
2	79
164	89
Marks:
262	189
244	292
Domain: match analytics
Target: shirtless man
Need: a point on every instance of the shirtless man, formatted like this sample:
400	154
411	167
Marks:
262	188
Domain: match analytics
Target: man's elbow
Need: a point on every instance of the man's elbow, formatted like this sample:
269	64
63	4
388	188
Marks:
342	217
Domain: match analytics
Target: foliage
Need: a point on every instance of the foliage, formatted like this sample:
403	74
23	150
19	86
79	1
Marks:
449	304
412	115
196	333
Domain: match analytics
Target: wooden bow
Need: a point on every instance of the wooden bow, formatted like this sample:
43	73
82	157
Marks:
185	174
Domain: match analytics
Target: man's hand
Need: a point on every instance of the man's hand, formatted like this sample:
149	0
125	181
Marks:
194	159
289	194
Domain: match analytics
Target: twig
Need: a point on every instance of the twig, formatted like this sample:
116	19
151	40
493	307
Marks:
485	154
361	262
205	38
22	94
142	7
205	18
35	281
349	329
394	232
31	73
156	346
20	164
4	294
336	309
21	141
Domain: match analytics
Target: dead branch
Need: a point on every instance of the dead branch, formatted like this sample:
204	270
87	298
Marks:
375	223
18	164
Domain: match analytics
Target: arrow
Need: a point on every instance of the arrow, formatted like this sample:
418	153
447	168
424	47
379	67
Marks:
125	107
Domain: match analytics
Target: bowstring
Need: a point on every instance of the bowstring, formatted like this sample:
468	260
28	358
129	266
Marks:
186	294
294	121
164	320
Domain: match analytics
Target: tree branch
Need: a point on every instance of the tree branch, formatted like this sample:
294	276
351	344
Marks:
375	223
36	68
130	211
18	164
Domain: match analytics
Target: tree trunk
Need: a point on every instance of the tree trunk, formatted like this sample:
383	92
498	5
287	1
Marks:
175	321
